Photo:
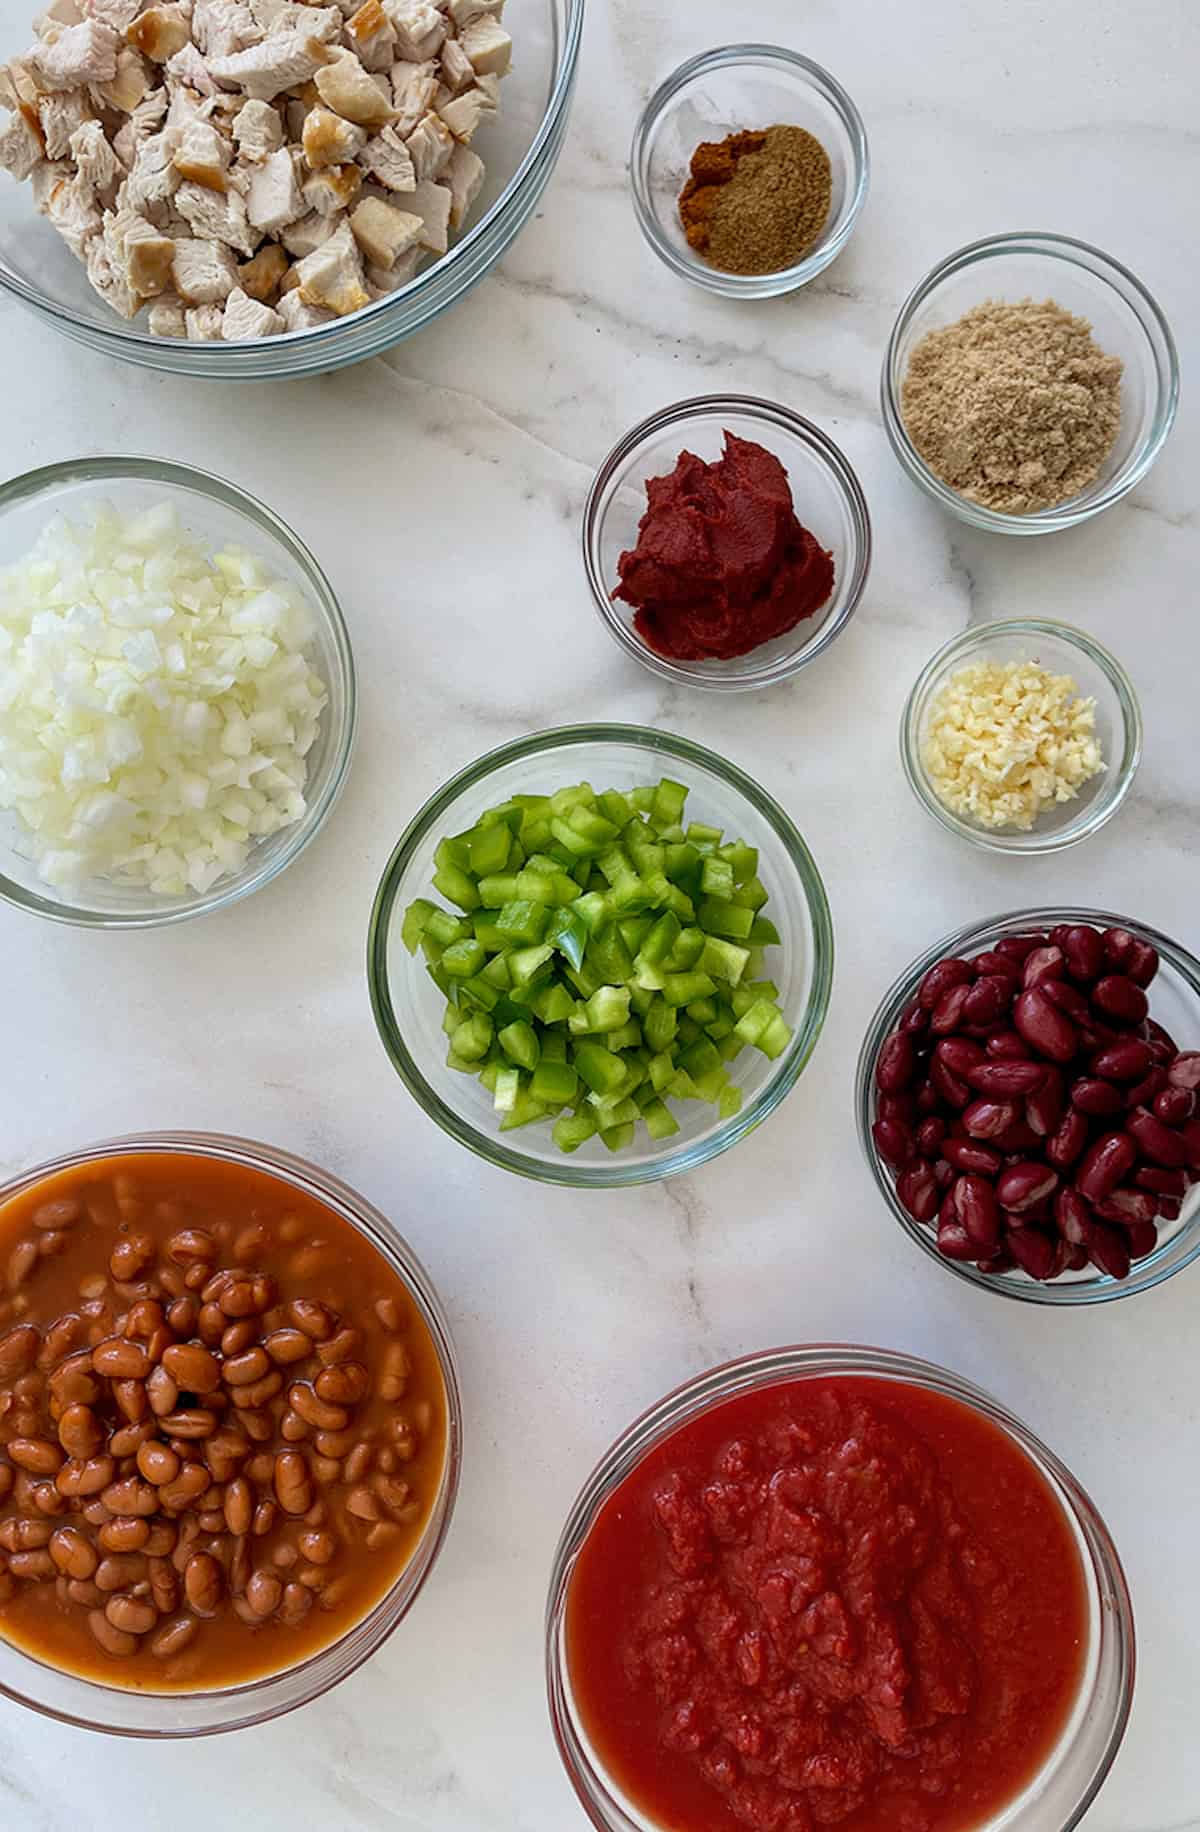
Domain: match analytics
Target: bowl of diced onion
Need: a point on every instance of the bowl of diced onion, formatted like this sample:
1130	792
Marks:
177	693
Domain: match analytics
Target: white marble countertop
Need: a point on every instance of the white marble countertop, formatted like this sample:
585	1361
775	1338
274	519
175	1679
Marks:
462	582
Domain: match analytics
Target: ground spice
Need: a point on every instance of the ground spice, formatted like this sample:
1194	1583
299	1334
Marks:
756	202
1014	405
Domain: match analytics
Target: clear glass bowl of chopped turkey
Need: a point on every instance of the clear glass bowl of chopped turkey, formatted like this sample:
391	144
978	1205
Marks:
269	189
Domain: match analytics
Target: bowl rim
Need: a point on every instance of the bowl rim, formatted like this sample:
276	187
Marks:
762	1369
833	238
1096	812
149	470
364	1637
1152	321
831	459
683	1158
1100	1289
132	345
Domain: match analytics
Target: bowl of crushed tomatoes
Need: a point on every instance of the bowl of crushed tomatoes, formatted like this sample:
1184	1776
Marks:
727	543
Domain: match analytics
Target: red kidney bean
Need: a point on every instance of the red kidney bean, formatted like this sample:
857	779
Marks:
1046	963
954	1243
1109	1250
1108	1162
942	977
1117	944
894	1142
1045	1027
1095	1097
987	1119
1146	1092
975	1209
959	1054
997	1262
1033	1251
1025	1184
926	1100
1065	1146
1141	963
1084	953
1068	999
1097	1035
1174	1105
1162	1182
1020	947
943	1173
1163	1046
1142	1238
1006	1080
987	1000
888	1107
1155	1141
993	965
914	1021
1168	1208
1074	1259
1118	997
1128	1060
952	1088
948	1012
1007	1046
1058	935
970	1155
1044	1107
1019	1139
1184	1072
918	1190
1073	1217
1127	1206
897	1064
930	1136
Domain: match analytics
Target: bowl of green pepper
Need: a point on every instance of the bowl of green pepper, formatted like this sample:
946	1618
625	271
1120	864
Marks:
600	956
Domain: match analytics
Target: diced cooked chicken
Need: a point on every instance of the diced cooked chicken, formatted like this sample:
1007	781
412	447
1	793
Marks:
388	161
350	91
139	252
203	156
119	14
59	114
381	280
489	88
383	231
463	11
431	202
309	233
44	181
152	176
127	87
84	53
159	32
258	131
261	276
463	113
59	12
430	145
187	66
108	281
18	85
246	317
73	210
166	318
298	315
372	36
95	157
21	146
264	70
221	27
322	22
217	216
464	175
205	272
332	189
275	197
204	323
333	275
413	89
488	46
329	139
419	28
145	120
457	72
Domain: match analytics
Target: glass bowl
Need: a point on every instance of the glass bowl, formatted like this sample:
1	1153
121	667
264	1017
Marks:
408	1007
120	1711
1125	320
520	147
1061	1793
217	512
828	500
1174	1003
737	88
1062	650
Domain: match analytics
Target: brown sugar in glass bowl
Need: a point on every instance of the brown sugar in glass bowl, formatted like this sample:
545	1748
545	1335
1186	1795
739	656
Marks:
229	1434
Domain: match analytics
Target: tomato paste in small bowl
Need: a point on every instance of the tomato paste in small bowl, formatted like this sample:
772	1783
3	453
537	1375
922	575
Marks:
836	1587
727	542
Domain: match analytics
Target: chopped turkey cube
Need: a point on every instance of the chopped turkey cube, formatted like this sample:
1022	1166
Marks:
258	131
350	91
204	323
84	53
464	175
430	145
275	198
488	46
332	189
159	32
333	275
262	276
383	231
278	63
329	139
203	155
95	158
431	202
205	272
166	317
217	216
246	317
21	146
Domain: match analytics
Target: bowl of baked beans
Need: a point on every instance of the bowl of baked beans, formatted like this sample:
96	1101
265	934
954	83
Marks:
230	1433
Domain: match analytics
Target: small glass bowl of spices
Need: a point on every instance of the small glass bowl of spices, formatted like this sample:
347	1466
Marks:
1022	736
1030	382
749	169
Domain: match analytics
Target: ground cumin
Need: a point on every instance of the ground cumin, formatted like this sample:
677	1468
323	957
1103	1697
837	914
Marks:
756	202
1014	405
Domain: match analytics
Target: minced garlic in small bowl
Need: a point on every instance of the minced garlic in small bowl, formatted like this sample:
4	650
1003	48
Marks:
1022	736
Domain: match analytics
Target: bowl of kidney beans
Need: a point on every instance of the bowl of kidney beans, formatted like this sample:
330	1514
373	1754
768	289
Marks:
1029	1103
